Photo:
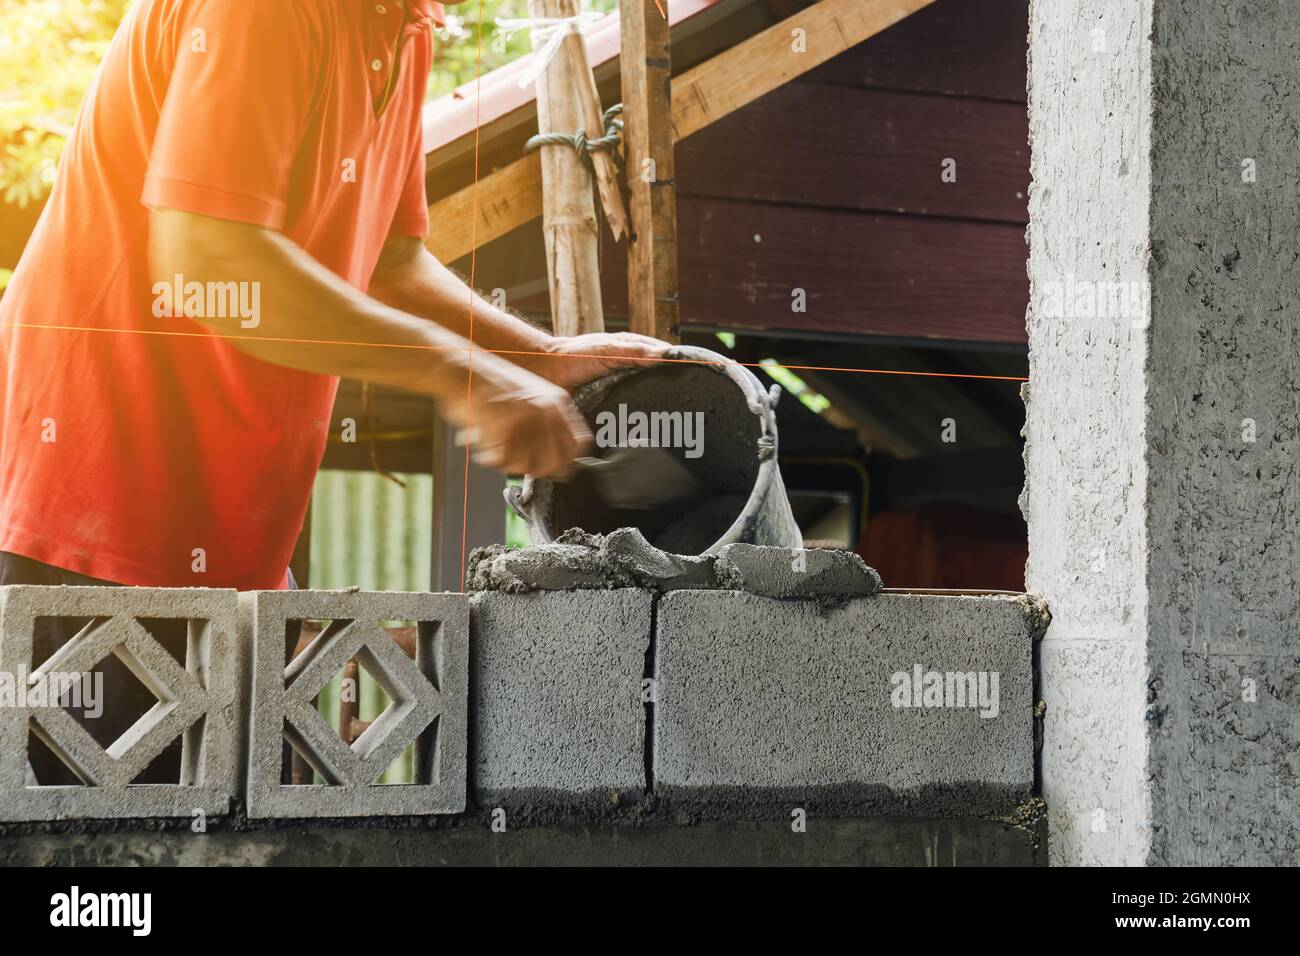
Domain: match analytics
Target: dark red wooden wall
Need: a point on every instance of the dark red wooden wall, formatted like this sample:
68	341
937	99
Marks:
832	184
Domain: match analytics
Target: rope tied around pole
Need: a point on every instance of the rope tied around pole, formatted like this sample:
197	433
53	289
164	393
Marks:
583	144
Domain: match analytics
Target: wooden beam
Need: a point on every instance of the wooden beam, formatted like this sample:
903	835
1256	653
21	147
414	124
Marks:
778	55
706	93
500	202
568	208
646	74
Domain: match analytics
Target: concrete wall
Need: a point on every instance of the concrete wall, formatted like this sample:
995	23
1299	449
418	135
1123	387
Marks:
1224	601
623	707
605	725
558	716
1160	498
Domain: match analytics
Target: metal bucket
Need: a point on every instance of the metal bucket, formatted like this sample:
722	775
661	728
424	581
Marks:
743	497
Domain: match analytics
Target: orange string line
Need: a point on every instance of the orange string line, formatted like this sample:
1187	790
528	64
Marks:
525	352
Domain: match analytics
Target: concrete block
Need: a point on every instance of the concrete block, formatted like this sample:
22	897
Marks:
795	572
558	713
428	702
763	703
200	701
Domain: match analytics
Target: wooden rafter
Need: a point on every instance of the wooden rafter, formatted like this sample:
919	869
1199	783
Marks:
511	197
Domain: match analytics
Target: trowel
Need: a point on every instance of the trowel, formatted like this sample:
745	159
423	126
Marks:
641	478
636	477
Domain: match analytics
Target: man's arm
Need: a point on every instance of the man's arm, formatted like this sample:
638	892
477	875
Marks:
410	278
314	321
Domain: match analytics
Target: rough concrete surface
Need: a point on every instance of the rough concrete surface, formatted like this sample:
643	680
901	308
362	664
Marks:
1085	491
558	716
763	702
428	695
1244	727
1095	694
200	701
577	560
1223	507
1161	447
879	841
795	572
574	560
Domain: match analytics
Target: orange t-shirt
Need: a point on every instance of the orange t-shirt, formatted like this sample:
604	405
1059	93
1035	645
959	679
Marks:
177	460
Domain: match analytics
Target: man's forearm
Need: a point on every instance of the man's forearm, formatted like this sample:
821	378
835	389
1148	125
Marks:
309	319
411	279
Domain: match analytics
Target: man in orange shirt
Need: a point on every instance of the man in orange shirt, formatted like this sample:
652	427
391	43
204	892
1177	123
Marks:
237	222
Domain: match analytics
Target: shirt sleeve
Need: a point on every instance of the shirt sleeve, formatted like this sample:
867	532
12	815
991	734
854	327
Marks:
238	102
412	215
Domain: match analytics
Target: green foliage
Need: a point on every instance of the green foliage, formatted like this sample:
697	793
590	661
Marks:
49	51
457	59
795	386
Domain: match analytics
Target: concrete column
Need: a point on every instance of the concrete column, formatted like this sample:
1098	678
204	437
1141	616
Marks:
1161	432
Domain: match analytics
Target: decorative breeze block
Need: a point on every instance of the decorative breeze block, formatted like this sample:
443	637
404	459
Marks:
427	703
199	700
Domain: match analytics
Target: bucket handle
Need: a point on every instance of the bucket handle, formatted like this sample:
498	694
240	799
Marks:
514	495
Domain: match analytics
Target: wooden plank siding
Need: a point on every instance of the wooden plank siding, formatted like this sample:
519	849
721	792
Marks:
921	277
845	148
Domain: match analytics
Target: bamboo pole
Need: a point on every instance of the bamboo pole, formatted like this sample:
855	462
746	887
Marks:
568	208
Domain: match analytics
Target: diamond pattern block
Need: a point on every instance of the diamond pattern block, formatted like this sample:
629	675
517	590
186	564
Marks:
428	696
198	702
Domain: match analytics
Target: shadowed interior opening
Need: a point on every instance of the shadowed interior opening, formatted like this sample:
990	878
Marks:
716	436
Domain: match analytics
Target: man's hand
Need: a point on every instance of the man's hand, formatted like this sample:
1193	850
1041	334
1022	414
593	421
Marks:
515	412
570	361
517	421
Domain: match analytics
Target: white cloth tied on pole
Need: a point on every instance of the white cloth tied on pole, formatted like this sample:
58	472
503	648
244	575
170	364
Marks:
547	34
